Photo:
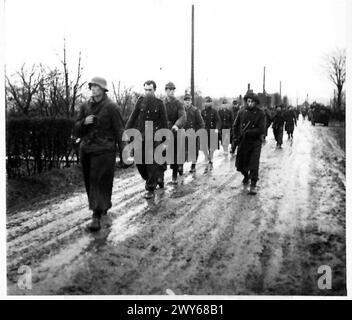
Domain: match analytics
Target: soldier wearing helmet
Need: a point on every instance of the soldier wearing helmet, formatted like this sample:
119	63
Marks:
99	125
249	127
176	116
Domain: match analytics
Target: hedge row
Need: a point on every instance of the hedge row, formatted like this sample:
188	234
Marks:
36	145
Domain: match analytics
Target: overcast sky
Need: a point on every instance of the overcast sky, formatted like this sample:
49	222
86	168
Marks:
136	40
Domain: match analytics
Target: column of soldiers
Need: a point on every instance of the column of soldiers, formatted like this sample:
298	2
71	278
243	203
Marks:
283	119
101	130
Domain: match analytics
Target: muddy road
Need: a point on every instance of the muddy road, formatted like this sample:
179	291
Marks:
204	236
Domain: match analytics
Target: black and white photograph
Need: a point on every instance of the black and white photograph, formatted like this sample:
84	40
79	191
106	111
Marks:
175	148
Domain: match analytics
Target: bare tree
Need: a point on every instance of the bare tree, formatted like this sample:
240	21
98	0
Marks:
123	98
50	97
72	88
336	71
23	92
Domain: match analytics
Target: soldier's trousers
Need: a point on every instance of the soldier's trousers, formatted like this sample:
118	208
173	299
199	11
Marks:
247	160
187	156
98	173
278	134
151	173
176	166
225	140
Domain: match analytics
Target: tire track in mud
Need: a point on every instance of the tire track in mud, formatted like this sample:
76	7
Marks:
281	271
61	232
161	220
204	236
145	258
326	233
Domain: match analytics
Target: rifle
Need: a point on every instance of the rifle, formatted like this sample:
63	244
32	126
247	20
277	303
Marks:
242	133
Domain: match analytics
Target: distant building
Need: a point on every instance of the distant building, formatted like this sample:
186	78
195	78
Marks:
265	99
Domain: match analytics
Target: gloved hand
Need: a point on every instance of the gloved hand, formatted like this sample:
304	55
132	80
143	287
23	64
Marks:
174	128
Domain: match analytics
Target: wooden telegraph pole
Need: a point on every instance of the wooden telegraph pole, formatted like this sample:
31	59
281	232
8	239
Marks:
192	57
264	81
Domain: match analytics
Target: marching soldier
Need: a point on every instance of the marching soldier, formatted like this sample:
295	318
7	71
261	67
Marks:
268	119
194	121
226	118
235	109
278	126
291	122
249	127
99	125
176	116
149	108
211	121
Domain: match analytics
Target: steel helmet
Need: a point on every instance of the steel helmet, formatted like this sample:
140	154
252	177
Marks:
99	81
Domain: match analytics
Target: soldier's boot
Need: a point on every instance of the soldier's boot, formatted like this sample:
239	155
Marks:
95	224
253	189
148	194
193	168
245	180
104	212
210	165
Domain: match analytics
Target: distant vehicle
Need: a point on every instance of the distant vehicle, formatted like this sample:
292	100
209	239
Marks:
318	113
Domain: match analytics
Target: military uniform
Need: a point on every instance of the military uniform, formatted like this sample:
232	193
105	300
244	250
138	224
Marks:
268	120
290	122
226	118
194	121
176	116
249	127
278	127
211	121
148	109
98	150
